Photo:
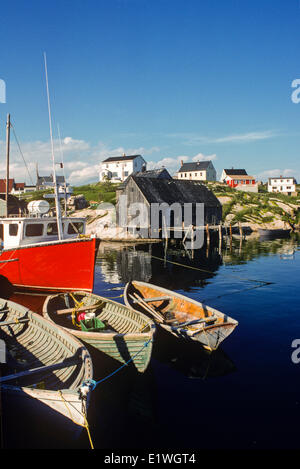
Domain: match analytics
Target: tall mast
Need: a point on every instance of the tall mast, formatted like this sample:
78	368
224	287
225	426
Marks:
57	204
63	168
7	160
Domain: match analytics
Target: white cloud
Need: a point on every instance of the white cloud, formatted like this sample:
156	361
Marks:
173	164
279	172
81	159
193	139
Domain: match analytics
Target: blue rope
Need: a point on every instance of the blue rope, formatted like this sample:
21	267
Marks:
95	383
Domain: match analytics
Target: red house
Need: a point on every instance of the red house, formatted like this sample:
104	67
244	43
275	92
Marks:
237	178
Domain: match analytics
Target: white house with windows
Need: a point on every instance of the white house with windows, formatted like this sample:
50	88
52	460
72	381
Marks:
284	185
197	171
118	168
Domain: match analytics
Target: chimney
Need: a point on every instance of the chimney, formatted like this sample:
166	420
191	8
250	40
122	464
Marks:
181	162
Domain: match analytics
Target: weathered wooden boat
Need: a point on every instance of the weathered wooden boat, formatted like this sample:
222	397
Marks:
46	372
181	316
274	233
117	330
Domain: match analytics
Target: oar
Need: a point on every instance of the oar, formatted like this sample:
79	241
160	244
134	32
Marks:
17	321
159	317
196	321
82	308
64	364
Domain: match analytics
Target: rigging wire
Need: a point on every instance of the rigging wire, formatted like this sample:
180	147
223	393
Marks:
19	147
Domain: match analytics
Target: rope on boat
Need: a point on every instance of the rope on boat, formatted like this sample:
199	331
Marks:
94	384
86	425
3	263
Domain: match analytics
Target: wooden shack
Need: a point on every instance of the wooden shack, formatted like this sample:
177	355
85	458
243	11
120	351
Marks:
15	206
158	188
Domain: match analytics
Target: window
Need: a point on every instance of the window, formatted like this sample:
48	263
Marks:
76	227
125	173
34	229
13	229
52	229
196	174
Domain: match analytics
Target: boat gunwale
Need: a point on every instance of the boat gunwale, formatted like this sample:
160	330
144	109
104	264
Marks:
85	361
105	335
182	297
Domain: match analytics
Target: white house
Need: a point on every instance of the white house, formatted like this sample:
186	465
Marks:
284	185
118	168
197	171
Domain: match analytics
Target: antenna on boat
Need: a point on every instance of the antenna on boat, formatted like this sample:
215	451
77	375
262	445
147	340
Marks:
57	204
63	168
7	160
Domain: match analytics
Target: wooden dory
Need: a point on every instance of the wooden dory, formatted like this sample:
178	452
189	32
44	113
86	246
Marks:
181	316
44	366
127	331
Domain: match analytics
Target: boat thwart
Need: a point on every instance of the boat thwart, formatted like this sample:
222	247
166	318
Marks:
115	329
181	316
46	369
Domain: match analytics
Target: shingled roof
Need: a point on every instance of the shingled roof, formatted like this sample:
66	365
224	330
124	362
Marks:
155	173
196	166
236	172
111	159
157	190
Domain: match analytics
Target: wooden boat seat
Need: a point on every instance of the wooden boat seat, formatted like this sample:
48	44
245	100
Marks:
152	300
196	321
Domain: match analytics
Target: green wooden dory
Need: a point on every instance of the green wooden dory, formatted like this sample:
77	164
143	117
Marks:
44	367
126	331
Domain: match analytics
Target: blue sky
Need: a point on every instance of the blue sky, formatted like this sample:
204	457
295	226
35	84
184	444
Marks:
172	80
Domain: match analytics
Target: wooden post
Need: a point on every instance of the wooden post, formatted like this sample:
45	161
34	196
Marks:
220	239
207	234
241	230
7	160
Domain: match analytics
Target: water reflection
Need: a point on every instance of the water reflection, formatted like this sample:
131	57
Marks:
154	264
190	359
178	269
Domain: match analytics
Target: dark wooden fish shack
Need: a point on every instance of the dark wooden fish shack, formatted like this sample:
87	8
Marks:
167	204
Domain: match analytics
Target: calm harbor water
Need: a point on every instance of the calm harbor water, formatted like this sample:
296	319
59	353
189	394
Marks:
244	395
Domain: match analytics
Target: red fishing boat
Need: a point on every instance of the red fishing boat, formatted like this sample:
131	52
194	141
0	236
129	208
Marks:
43	252
34	257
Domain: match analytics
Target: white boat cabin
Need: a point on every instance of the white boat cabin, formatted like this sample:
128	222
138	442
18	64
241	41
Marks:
19	231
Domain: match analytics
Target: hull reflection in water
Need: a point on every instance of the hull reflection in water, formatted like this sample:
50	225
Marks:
190	360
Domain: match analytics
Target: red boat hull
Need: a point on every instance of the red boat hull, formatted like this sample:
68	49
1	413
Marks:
60	265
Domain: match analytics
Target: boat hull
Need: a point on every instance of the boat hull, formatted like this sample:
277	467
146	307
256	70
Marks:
183	308
54	266
273	234
52	364
126	343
